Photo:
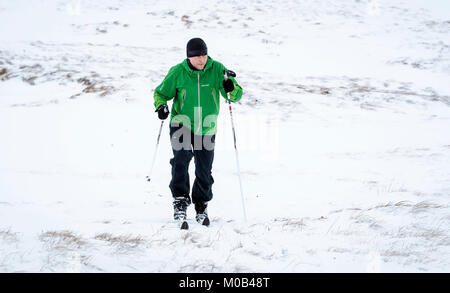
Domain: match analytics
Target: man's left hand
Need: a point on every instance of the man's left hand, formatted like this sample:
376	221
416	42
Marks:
228	85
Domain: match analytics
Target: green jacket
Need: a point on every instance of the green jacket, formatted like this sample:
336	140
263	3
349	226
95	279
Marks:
196	95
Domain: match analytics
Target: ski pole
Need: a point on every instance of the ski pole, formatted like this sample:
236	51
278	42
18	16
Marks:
226	74
148	177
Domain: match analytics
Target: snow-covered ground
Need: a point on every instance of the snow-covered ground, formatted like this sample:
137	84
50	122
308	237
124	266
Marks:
343	136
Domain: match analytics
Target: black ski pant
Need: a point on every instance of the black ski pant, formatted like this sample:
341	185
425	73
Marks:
186	145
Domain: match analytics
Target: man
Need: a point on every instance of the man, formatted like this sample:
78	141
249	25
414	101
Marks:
194	84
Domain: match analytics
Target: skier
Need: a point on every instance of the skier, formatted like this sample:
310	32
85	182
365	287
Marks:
194	84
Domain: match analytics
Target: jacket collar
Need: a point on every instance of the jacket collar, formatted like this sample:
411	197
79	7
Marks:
208	65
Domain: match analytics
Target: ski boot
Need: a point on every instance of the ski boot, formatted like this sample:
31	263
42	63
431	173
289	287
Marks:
202	214
180	204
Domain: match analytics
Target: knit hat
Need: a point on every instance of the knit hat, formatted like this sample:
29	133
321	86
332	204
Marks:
196	47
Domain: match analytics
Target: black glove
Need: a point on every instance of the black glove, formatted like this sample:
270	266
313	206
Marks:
163	112
228	85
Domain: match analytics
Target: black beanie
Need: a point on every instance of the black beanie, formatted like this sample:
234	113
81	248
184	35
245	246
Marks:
196	47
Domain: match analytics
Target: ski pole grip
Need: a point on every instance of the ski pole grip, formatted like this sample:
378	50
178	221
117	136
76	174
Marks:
227	73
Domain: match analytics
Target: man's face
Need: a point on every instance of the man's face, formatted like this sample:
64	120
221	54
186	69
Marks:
199	62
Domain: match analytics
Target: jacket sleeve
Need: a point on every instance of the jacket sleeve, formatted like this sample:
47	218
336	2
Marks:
166	90
236	94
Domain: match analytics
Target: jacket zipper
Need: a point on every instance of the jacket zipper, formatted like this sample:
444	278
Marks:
199	109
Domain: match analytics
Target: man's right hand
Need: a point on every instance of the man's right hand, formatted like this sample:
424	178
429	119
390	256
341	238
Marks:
163	112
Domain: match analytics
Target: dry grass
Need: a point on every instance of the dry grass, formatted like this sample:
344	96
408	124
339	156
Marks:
394	253
431	233
187	21
339	250
379	206
240	269
415	208
391	204
94	86
121	241
9	236
362	218
201	266
292	223
437	234
424	205
347	231
67	261
427	233
253	252
31	73
336	211
62	240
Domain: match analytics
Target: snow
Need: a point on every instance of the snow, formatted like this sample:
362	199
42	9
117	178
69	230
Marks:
342	135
